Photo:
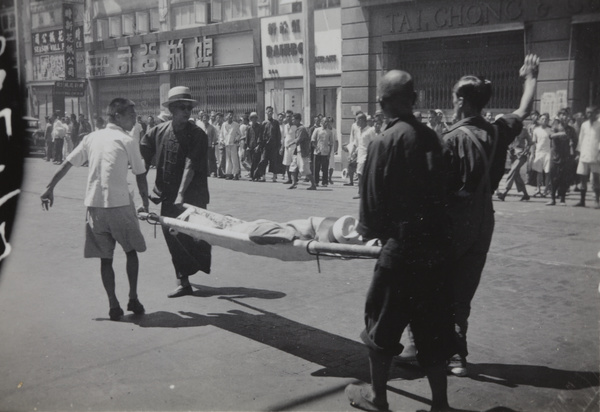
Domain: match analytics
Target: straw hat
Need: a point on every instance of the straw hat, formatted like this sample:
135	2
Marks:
180	94
344	230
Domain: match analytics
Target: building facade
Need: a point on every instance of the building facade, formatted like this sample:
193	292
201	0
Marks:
439	41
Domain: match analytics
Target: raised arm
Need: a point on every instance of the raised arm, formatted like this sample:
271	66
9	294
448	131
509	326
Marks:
529	71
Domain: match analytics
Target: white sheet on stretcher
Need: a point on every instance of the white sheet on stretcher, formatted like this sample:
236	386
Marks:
216	230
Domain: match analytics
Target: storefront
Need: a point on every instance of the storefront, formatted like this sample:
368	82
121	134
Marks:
438	42
219	69
282	49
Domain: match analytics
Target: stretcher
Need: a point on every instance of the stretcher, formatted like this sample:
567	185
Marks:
216	229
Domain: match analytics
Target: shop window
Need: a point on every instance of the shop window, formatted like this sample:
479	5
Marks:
101	29
190	14
237	9
128	24
114	26
264	8
326	4
154	20
142	22
216	10
289	6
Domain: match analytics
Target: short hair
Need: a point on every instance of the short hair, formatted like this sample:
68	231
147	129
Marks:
297	116
289	112
219	114
230	111
563	111
361	114
269	107
475	90
118	106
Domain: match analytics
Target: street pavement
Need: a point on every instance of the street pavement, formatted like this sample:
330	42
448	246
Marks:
264	335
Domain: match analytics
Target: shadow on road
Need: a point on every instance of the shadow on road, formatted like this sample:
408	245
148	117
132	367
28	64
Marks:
342	357
513	376
236	292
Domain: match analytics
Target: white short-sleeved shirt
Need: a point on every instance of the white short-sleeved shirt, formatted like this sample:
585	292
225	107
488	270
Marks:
541	138
589	142
108	151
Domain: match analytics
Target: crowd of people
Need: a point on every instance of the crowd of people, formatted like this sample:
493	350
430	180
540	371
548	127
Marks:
425	193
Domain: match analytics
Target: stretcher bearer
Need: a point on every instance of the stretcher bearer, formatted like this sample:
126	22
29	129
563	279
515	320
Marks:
110	214
403	204
181	150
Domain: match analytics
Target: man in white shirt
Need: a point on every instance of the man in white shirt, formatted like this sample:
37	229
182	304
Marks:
288	148
588	148
230	136
111	215
59	131
360	138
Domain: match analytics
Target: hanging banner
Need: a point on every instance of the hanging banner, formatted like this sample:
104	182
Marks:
69	37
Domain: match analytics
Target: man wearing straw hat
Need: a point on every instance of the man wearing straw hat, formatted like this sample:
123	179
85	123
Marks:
181	150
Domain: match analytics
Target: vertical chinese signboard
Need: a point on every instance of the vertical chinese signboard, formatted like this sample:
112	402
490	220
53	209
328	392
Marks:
69	37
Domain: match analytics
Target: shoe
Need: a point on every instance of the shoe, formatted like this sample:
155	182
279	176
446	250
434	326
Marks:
312	188
356	197
551	203
359	395
348	184
287	182
501	196
538	194
457	366
181	291
236	178
579	204
229	178
115	313
293	187
408	355
562	203
524	198
135	306
324	185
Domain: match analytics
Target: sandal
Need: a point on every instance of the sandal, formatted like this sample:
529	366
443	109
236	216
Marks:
135	306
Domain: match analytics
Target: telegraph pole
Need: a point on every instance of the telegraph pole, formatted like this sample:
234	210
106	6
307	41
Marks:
309	81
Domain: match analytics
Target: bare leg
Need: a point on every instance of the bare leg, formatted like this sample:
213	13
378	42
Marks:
108	280
132	267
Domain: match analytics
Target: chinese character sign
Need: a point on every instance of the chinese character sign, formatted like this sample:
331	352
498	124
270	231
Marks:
69	42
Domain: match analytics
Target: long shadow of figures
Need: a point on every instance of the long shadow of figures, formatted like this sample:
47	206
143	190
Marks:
339	356
513	376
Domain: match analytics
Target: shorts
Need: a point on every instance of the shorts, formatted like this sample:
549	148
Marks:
303	165
106	226
584	169
406	295
288	155
541	162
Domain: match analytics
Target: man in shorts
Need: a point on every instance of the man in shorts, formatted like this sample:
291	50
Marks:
302	143
111	215
589	155
403	205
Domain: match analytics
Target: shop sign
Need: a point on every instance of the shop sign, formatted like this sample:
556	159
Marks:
48	42
282	39
70	88
69	37
49	67
178	54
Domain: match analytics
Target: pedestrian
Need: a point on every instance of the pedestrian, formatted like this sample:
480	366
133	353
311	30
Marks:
271	137
59	131
68	142
256	147
245	123
532	174
230	136
213	139
150	122
475	155
75	127
403	206
519	152
541	155
85	127
489	117
560	140
111	215
418	116
333	152
99	123
322	141
181	150
288	148
302	143
589	155
362	137
48	138
138	130
220	152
